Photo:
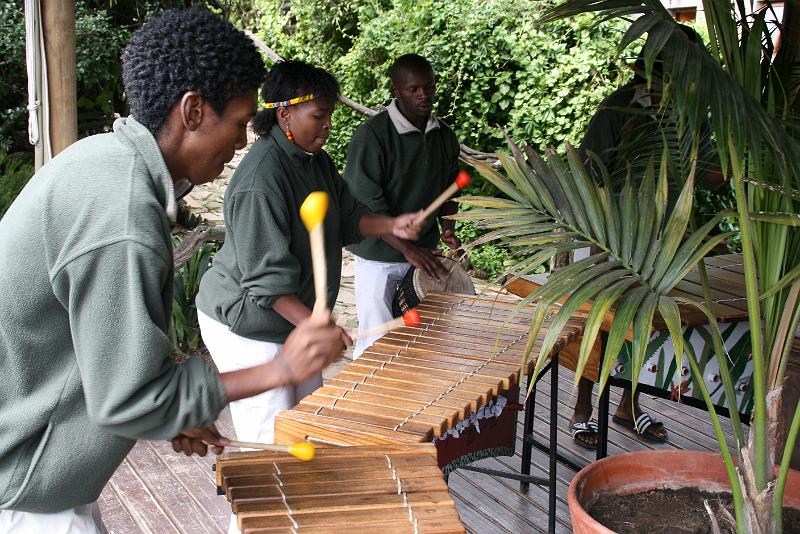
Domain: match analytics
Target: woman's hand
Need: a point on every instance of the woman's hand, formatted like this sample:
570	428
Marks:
405	226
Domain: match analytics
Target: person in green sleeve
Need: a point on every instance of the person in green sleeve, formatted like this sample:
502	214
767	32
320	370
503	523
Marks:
400	160
261	282
86	282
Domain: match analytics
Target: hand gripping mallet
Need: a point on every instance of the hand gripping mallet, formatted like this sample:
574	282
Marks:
312	212
462	181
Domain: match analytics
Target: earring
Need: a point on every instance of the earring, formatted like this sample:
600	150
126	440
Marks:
288	132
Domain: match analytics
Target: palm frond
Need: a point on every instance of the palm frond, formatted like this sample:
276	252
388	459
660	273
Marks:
642	255
704	84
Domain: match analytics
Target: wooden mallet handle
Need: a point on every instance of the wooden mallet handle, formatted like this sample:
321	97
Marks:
410	318
303	450
312	212
462	181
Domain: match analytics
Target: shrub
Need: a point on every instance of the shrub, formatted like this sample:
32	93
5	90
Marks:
15	171
102	28
494	66
184	330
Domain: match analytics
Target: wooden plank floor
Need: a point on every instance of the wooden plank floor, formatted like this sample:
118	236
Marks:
158	491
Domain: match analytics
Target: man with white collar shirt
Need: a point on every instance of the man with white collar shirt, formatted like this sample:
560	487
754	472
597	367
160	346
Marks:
399	161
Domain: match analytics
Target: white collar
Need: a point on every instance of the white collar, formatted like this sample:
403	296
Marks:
178	190
403	125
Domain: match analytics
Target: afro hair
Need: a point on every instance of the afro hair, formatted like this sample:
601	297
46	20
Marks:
290	79
189	50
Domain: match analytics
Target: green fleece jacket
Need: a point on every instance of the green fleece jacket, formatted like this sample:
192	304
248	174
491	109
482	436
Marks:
267	252
86	283
394	168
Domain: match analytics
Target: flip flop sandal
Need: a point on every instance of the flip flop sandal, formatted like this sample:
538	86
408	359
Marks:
643	422
584	427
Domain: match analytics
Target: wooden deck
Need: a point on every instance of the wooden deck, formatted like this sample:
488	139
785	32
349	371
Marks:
158	491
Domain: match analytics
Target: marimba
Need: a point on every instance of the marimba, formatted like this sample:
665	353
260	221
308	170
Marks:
450	381
389	488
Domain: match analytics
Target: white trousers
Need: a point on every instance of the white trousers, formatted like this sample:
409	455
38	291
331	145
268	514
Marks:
80	520
254	417
375	283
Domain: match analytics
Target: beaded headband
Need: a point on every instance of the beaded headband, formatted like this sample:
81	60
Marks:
287	103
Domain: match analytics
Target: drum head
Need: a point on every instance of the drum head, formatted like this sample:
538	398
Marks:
456	281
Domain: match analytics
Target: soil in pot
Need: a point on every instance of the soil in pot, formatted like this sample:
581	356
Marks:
667	511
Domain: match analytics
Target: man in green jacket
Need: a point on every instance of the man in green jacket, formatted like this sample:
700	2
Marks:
399	161
86	283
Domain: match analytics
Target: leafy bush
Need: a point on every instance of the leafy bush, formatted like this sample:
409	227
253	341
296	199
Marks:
15	171
102	28
98	47
709	203
494	66
13	84
184	330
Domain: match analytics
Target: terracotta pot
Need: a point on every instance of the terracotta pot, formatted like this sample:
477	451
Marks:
635	472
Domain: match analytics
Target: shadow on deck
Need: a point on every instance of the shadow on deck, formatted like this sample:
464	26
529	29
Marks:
158	491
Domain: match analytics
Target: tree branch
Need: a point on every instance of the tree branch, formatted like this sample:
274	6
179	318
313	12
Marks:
194	240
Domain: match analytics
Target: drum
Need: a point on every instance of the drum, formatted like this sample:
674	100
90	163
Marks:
416	284
387	489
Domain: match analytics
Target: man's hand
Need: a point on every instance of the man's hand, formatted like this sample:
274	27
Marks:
405	226
312	346
423	259
450	239
196	441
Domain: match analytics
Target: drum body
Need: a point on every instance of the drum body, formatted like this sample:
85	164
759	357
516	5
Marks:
416	284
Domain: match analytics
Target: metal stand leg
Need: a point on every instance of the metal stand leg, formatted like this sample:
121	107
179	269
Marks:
528	442
551	507
527	437
602	408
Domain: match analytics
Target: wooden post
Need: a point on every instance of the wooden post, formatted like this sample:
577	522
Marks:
58	27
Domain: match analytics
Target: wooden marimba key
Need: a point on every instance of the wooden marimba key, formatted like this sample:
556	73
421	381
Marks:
391	488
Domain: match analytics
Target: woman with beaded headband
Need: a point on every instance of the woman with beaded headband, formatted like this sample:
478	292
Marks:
261	283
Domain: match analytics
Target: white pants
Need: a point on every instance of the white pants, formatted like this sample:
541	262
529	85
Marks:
80	520
376	283
254	417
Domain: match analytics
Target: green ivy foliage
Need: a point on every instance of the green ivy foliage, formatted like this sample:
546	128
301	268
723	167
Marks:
495	66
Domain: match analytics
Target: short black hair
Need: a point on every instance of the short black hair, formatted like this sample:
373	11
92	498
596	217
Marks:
188	50
291	79
409	63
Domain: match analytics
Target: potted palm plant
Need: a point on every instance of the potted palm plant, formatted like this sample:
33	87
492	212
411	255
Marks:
747	93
